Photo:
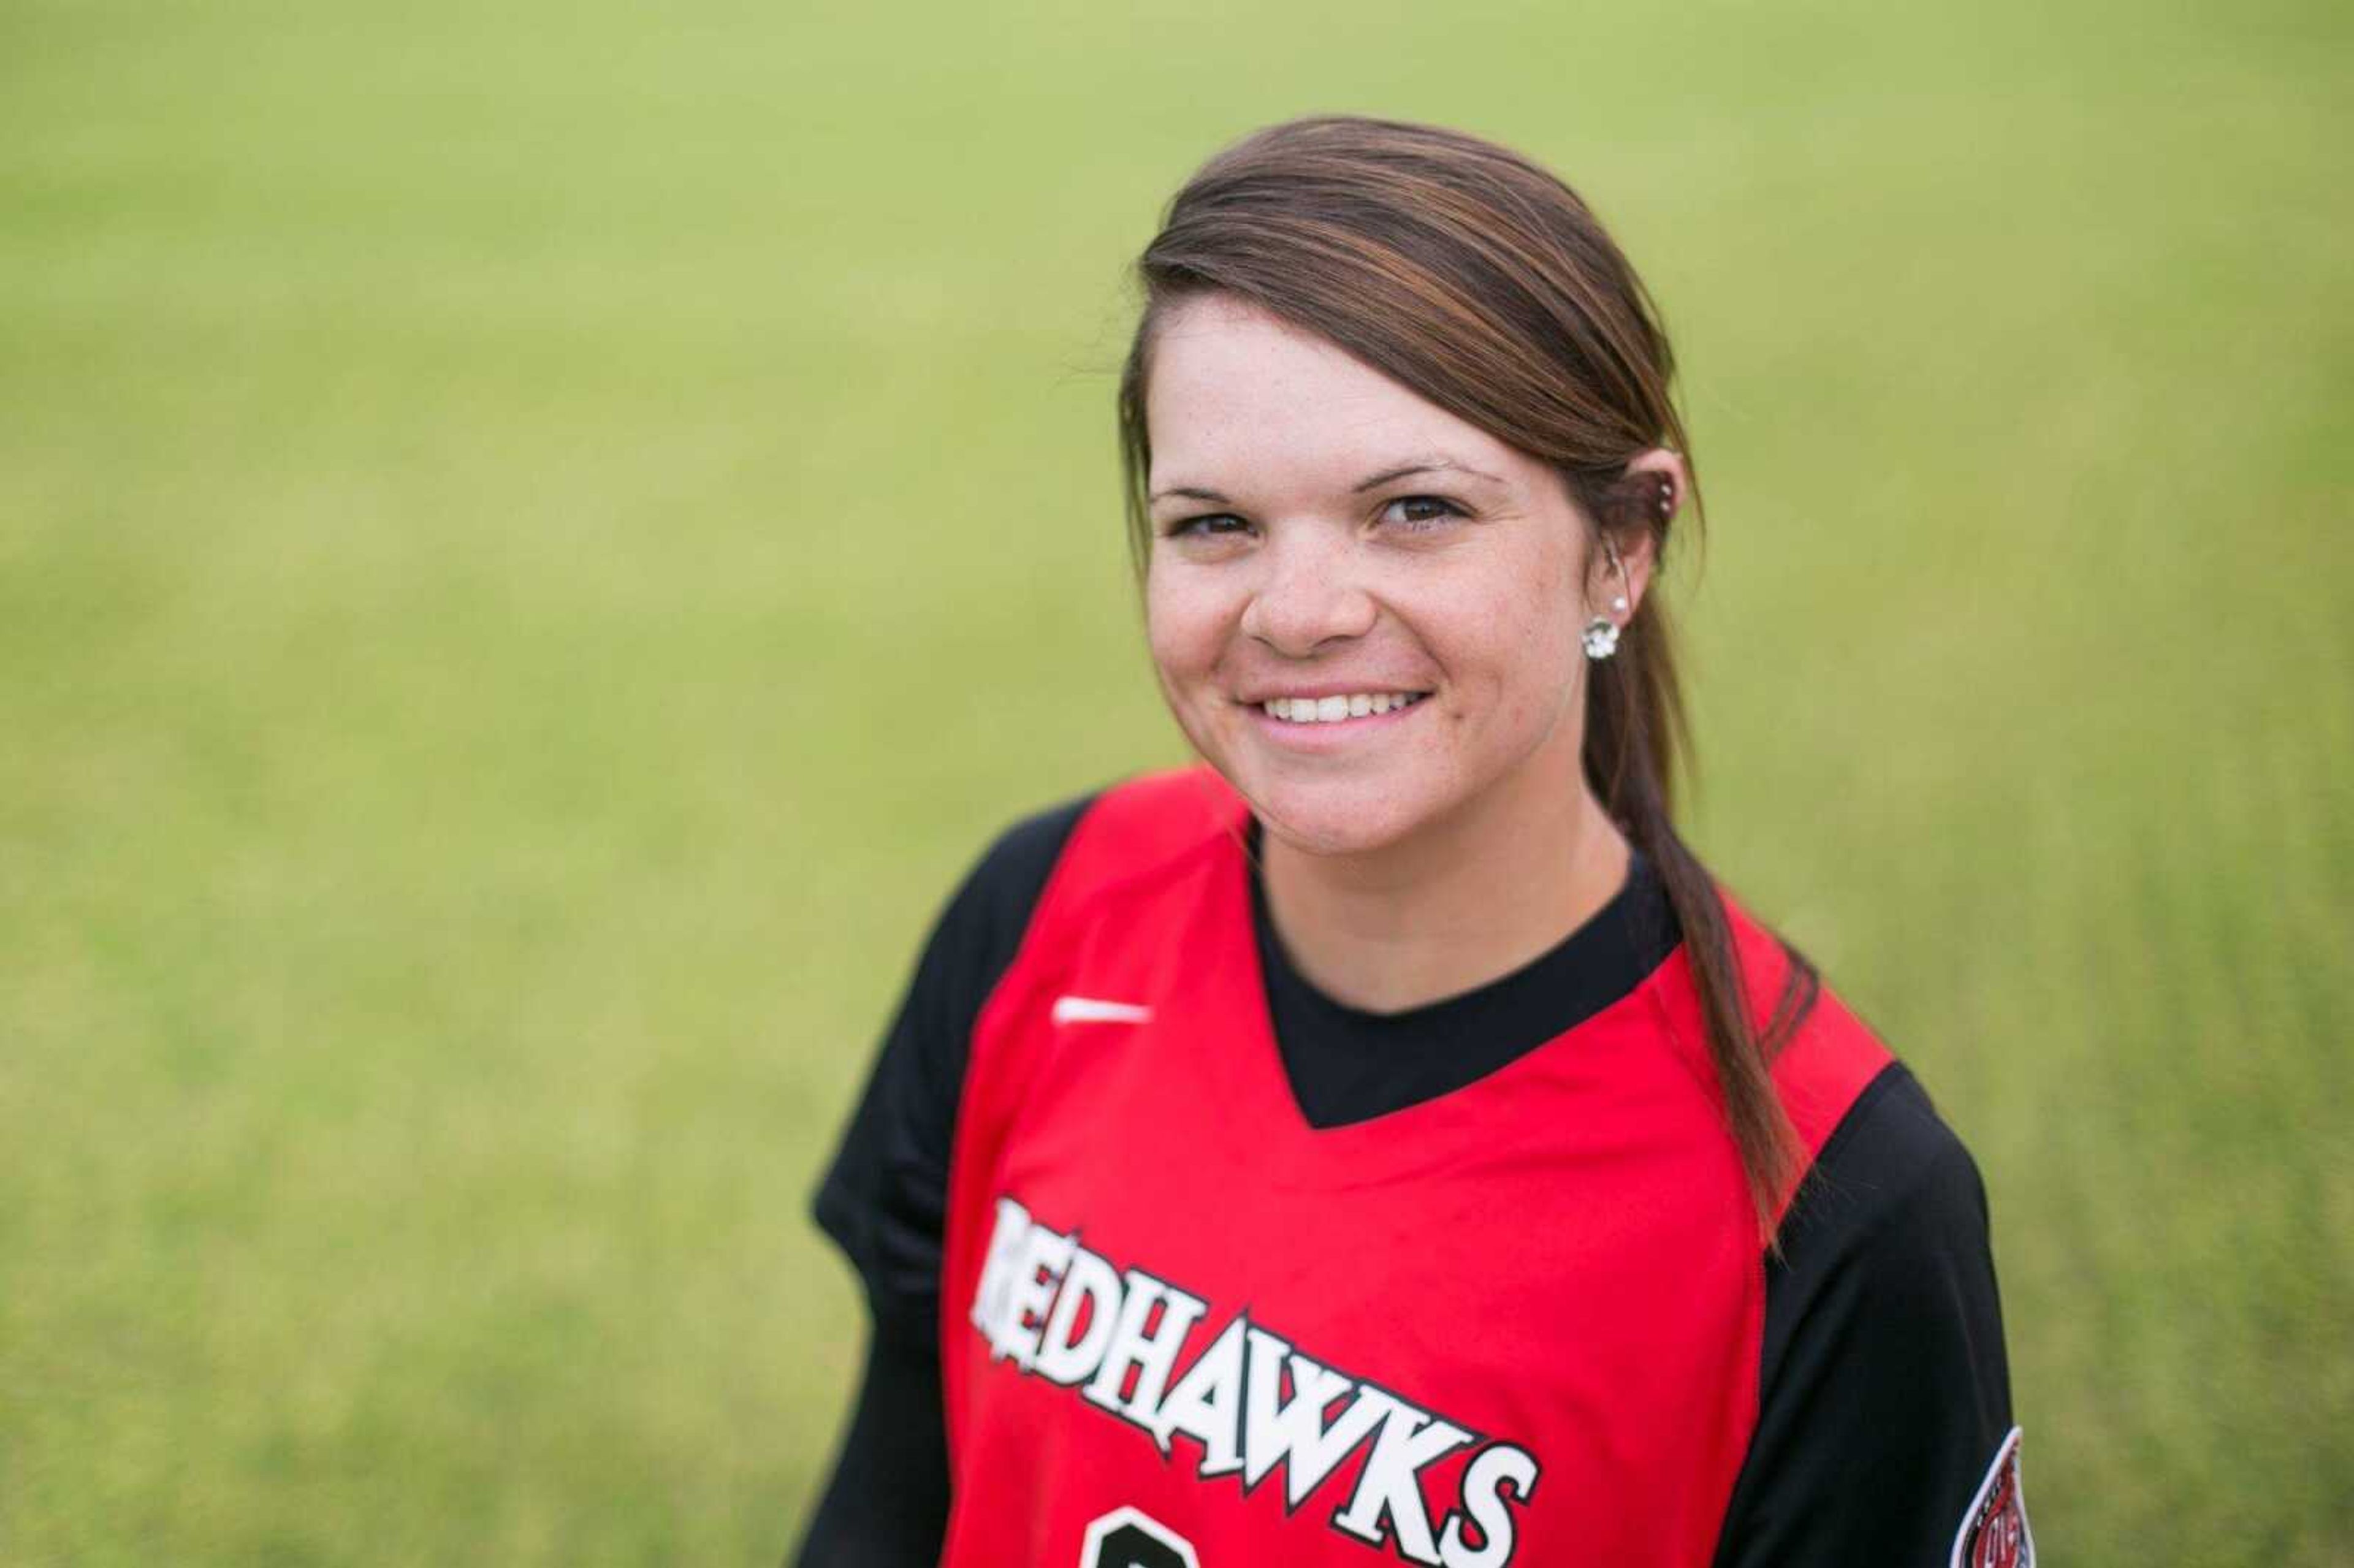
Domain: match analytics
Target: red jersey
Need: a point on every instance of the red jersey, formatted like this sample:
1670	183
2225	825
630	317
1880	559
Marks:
1516	1323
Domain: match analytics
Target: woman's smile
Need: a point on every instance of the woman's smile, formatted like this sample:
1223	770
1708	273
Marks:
1336	719
1317	708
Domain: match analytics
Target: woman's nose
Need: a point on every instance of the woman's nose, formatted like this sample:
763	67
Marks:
1308	596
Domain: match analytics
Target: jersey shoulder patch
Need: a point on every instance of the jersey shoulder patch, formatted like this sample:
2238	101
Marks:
1993	1532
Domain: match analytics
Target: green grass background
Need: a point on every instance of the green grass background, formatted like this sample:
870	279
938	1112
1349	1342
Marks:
536	541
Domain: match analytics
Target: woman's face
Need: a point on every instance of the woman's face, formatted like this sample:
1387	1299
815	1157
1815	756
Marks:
1325	542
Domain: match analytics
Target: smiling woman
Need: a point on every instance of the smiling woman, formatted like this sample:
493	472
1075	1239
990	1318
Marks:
1393	1101
1320	586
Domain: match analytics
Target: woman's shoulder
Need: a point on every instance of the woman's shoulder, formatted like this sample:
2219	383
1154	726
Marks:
1856	1104
1891	1156
1877	1147
1110	835
1106	833
1015	862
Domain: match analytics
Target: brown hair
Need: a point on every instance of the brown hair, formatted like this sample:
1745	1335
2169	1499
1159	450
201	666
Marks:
1479	279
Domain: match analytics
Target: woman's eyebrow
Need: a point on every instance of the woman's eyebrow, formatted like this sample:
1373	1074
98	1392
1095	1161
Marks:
1424	465
1418	465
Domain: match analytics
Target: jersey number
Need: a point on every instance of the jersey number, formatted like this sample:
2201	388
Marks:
1129	1538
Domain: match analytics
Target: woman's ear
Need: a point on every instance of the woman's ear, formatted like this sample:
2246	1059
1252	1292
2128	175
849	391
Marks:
1657	484
1648	495
1669	480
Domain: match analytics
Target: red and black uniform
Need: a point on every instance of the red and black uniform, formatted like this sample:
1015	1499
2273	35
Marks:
1173	1259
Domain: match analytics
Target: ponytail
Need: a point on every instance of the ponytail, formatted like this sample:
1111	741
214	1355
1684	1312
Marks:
1637	731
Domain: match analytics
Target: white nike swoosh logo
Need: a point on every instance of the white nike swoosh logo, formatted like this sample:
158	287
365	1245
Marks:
1089	1010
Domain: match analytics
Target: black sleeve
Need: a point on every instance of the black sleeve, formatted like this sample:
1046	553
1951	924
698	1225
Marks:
1885	1394
884	1201
889	1503
885	1196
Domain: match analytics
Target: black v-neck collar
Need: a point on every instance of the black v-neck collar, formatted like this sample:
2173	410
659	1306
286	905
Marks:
1346	1064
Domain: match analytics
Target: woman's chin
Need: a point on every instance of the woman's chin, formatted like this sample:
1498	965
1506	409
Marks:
1330	819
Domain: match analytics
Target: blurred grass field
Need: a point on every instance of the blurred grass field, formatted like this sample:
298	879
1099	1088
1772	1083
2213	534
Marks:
536	542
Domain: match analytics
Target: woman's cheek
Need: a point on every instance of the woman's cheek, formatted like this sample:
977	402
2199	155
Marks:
1185	647
1163	631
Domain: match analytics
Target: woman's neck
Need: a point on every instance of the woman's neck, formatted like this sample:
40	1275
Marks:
1465	900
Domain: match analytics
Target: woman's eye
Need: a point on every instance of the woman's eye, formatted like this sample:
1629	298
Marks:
1421	513
1208	525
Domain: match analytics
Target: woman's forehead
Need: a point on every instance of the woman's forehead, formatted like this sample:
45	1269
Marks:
1237	394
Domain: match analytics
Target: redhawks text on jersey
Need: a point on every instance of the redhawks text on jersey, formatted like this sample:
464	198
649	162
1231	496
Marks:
1253	1402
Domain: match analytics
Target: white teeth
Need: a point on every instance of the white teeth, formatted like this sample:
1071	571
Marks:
1331	710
